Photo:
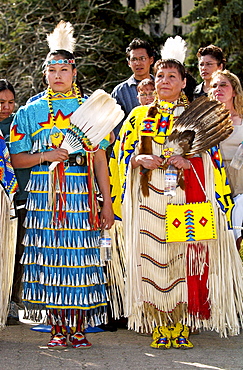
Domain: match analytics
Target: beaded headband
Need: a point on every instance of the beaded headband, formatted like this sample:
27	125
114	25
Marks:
60	61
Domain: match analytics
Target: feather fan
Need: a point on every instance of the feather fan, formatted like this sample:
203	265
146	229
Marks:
91	122
200	127
62	37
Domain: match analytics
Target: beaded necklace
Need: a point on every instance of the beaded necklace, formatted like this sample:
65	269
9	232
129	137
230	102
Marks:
182	101
50	94
160	127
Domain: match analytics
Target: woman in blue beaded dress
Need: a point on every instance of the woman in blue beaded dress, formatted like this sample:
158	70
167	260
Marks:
62	258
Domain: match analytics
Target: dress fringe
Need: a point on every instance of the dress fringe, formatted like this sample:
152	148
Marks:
8	232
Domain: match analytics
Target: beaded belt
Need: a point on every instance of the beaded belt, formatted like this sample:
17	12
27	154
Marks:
74	160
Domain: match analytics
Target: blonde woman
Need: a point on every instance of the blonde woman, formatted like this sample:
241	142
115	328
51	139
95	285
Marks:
226	87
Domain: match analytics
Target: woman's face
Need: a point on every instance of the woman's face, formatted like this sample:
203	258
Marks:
6	104
146	94
60	76
207	65
222	90
169	83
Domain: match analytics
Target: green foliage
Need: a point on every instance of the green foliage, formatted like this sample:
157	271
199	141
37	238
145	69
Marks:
152	9
103	30
219	23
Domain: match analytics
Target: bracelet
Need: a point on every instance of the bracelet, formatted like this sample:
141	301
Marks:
42	157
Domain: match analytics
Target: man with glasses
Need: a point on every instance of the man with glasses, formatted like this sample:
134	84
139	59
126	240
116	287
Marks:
140	57
210	59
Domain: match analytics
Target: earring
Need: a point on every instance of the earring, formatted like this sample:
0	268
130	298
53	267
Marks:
74	78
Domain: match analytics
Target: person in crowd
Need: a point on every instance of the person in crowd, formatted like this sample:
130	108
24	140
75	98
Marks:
226	87
168	287
7	104
140	57
145	90
62	270
210	59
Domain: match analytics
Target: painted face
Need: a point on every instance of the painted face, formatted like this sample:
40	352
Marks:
60	76
207	65
140	63
6	104
222	90
168	84
146	94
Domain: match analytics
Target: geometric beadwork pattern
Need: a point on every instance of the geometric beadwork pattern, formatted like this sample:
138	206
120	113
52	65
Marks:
190	222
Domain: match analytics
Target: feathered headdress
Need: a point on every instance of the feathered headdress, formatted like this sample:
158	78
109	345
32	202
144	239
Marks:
62	37
174	48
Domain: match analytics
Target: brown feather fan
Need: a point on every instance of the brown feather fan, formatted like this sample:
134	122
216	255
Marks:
204	124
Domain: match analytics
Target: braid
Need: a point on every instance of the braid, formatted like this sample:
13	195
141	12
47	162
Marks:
153	110
77	93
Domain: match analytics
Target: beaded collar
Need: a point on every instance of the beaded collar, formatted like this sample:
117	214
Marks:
51	94
160	126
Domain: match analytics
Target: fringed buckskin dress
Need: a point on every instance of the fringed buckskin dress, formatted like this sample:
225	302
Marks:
154	282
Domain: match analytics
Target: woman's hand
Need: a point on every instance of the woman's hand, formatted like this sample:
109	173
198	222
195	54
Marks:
59	155
149	161
27	160
106	216
179	162
112	137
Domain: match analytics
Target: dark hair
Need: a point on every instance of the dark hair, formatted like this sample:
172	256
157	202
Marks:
191	83
64	53
6	85
139	44
170	63
215	51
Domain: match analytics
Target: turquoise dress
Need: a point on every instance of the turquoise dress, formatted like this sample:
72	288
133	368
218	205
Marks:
61	259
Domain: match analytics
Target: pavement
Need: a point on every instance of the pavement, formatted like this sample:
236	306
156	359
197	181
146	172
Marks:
25	349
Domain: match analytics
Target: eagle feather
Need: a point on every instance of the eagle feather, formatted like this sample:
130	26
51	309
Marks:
200	127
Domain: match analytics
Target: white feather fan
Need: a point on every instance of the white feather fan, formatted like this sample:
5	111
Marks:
92	121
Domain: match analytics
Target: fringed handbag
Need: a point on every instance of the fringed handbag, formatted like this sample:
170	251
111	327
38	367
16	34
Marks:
190	222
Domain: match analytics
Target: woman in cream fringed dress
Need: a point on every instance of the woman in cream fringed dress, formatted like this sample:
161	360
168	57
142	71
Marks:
165	287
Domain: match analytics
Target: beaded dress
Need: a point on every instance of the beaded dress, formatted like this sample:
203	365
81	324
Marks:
61	258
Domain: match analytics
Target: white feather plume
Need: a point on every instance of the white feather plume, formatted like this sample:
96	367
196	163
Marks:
174	48
62	37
